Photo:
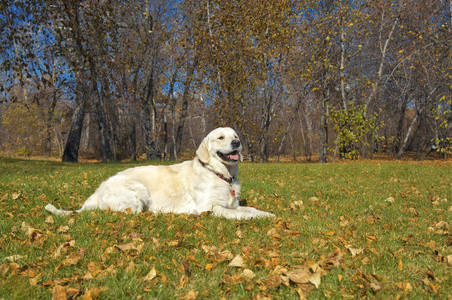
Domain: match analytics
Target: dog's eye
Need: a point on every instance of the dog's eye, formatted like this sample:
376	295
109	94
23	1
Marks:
221	138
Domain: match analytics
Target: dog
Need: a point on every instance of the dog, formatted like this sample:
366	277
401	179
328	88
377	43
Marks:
206	183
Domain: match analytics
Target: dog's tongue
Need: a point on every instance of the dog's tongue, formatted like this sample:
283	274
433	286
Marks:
233	156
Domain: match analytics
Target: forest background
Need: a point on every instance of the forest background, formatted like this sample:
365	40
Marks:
112	80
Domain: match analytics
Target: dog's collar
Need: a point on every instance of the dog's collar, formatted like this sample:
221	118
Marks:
229	180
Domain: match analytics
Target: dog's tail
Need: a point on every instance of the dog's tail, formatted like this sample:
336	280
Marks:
56	211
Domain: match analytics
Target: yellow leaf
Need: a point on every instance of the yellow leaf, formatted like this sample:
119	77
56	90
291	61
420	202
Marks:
273	233
248	274
49	220
126	247
237	262
72	259
298	275
315	279
400	265
151	275
14	258
355	251
59	293
191	295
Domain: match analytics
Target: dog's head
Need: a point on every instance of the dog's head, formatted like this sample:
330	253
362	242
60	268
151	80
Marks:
222	144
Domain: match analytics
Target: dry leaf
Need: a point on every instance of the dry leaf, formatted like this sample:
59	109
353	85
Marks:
355	251
72	259
191	295
273	233
405	286
59	293
63	229
14	258
377	277
89	294
376	287
315	278
126	247
237	262
151	275
298	275
314	199
248	274
301	294
49	220
400	265
390	200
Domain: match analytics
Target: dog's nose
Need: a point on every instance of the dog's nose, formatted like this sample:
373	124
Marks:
235	143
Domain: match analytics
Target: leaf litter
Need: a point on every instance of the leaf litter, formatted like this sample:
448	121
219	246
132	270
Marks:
315	247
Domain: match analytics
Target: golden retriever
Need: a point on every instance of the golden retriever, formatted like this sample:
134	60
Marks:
206	183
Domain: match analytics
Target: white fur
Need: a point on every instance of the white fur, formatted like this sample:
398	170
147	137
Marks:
191	187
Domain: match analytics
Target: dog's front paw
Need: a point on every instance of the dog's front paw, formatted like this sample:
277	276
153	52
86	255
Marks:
267	215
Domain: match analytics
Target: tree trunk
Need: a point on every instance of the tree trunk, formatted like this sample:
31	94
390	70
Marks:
148	120
405	141
104	139
185	100
48	125
70	153
402	110
281	143
324	129
133	141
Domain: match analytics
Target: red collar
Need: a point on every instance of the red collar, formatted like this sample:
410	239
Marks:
229	180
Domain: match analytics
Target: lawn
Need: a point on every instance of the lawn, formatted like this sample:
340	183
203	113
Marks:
377	229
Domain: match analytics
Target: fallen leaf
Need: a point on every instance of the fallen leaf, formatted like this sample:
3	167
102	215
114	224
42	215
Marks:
390	200
248	274
126	247
93	292
273	233
314	199
14	258
63	229
400	265
376	287
237	262
151	275
59	293
72	259
301	294
405	286
191	295
315	279
377	277
372	238
355	251
298	275
49	220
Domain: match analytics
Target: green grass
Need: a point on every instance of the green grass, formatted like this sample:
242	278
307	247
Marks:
333	219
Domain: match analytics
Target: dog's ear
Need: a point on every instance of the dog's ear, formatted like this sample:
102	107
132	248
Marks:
203	151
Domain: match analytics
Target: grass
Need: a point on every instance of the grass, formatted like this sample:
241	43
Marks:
344	230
